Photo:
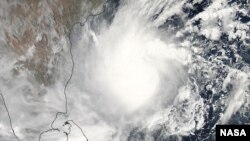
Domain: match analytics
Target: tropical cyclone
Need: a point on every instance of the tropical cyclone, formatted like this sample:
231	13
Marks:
144	70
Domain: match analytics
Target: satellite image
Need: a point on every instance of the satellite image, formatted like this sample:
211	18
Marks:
123	70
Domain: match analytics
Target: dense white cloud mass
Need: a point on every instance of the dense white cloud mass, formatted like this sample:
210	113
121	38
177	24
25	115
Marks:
129	62
145	70
131	71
